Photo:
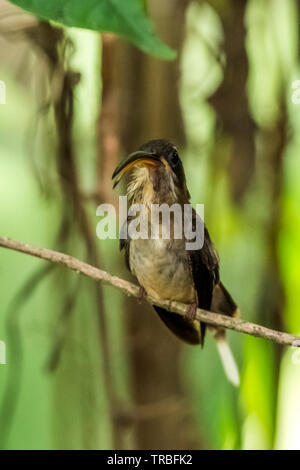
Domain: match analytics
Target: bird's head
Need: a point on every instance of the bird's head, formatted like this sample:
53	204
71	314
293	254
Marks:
156	174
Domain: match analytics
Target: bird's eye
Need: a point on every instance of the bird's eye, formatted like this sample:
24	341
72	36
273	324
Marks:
174	158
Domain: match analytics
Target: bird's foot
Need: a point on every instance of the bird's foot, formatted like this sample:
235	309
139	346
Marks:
142	294
191	311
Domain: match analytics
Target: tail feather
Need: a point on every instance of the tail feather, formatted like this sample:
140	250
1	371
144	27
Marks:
222	302
228	361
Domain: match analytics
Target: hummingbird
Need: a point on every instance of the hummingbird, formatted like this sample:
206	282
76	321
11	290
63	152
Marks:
164	267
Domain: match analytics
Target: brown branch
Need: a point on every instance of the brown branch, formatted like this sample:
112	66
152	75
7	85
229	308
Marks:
133	290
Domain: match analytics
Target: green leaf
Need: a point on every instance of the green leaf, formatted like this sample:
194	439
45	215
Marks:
127	18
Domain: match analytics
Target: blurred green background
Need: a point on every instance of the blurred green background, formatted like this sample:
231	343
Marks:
86	368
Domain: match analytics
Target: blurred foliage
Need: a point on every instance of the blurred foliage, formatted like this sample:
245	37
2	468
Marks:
69	409
125	17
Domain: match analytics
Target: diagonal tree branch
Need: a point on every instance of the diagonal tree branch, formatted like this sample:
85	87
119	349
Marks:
133	290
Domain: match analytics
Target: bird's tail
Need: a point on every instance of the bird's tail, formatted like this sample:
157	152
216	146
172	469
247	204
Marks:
227	359
222	302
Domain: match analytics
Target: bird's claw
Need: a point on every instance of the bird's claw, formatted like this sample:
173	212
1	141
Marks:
142	294
191	311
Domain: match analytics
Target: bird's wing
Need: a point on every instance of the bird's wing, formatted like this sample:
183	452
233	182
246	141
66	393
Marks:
222	302
204	264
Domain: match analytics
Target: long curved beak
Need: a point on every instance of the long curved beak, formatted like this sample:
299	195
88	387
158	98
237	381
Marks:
136	158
